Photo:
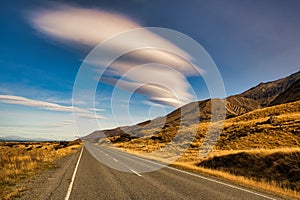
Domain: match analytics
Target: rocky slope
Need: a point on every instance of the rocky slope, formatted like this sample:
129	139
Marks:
265	93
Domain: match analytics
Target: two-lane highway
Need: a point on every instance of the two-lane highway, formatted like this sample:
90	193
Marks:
95	180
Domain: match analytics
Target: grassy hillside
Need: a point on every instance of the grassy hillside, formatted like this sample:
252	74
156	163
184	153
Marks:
266	128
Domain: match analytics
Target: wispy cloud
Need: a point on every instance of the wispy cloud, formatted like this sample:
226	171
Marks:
89	116
96	109
66	122
92	26
18	100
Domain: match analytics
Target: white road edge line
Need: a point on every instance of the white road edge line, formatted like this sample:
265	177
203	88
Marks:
222	183
73	177
135	172
199	176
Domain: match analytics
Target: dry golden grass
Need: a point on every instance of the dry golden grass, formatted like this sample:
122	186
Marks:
20	160
267	128
280	167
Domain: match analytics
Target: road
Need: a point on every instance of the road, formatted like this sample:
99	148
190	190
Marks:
94	180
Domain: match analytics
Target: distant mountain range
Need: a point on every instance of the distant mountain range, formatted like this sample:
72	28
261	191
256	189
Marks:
263	95
15	138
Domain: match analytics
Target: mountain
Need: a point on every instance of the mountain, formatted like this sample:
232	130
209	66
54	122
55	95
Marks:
266	93
263	95
14	138
289	95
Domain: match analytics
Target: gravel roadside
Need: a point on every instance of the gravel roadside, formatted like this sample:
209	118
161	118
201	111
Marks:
50	184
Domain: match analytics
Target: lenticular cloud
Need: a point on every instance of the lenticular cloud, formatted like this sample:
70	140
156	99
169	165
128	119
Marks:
92	26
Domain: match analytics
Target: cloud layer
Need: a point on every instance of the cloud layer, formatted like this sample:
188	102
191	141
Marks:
168	87
91	26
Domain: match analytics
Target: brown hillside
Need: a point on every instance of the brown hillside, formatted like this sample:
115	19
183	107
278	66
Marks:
189	116
266	128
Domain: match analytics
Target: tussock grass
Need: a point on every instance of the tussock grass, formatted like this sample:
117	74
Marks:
20	160
266	128
279	167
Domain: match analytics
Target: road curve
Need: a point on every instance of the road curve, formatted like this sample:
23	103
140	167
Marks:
95	180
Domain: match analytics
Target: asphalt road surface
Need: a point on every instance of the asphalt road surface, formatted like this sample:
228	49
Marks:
94	180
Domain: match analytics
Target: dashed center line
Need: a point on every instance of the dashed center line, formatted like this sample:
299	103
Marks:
115	160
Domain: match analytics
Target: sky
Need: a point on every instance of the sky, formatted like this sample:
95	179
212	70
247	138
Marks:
45	44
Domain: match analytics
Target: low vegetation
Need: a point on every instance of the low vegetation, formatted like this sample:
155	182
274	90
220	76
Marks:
21	160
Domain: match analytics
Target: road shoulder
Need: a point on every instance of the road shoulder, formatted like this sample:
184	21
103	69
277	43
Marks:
50	183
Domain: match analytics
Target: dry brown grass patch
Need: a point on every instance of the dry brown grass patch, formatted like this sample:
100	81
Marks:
20	160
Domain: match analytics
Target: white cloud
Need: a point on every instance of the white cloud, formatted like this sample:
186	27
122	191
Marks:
87	26
96	110
18	100
66	122
89	116
92	26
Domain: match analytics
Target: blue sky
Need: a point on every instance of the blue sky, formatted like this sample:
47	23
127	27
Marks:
44	43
